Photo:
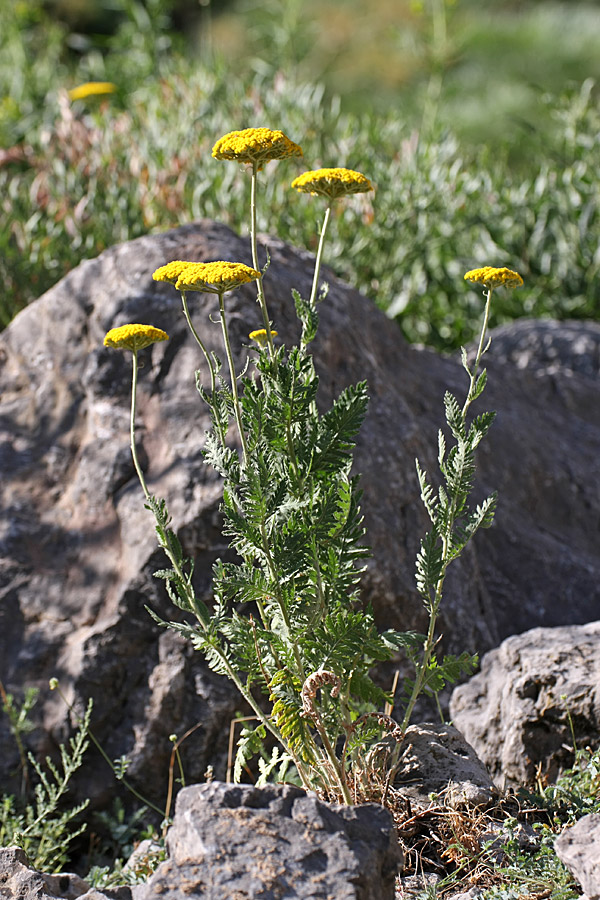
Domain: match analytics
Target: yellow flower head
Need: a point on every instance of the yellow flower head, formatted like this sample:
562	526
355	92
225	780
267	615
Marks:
215	277
255	145
172	271
134	337
332	183
490	277
260	336
92	89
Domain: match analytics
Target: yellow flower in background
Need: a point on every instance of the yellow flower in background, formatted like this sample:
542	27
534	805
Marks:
134	337
255	145
332	183
260	336
172	271
215	277
92	89
490	277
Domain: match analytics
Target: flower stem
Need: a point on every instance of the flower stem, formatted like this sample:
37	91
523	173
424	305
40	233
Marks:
333	760
446	558
480	352
134	455
259	283
236	401
315	284
199	341
209	361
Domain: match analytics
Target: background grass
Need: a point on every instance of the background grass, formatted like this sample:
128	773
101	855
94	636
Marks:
478	151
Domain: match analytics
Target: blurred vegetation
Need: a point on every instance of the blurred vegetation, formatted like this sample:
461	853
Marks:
77	177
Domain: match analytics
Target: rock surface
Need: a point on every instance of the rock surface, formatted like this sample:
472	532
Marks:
437	759
513	711
77	550
17	878
578	848
247	843
19	881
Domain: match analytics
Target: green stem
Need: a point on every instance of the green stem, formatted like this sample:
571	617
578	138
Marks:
134	455
315	284
234	391
430	642
333	760
259	283
480	352
209	362
199	341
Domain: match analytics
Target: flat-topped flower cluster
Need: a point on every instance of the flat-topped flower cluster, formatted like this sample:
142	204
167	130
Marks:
211	278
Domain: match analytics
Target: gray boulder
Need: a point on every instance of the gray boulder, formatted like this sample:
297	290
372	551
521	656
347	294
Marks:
515	711
77	549
437	759
578	848
277	841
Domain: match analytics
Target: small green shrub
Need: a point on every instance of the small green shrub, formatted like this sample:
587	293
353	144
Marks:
44	829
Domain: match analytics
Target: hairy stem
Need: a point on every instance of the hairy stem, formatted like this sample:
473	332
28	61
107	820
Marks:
315	284
134	455
430	640
209	362
234	390
259	283
480	351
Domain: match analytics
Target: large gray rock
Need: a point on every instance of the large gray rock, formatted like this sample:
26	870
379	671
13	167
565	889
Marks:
77	550
437	759
248	843
515	711
578	848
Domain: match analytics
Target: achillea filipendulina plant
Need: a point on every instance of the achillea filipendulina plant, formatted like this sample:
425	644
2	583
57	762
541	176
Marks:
215	278
286	625
332	183
489	276
255	146
92	89
134	337
260	336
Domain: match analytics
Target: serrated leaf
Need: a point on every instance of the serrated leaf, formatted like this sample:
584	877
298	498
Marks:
454	416
480	427
480	384
441	447
427	497
250	743
465	359
430	564
400	640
